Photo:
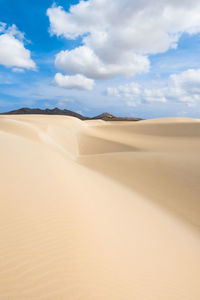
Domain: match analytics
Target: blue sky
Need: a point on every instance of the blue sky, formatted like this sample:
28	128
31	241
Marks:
163	83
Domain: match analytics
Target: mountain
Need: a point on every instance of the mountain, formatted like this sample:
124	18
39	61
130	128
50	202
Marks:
108	117
38	111
64	112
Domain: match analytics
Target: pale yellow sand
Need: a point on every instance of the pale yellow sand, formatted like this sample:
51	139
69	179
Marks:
99	211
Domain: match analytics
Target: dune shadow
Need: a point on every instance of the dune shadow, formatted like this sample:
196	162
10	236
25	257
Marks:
89	145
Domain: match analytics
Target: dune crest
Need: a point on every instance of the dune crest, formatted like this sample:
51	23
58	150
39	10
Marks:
99	210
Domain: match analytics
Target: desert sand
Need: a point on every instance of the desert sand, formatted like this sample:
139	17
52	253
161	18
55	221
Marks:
96	210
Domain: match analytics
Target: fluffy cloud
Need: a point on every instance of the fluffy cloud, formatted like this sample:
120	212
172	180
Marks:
132	93
153	95
84	61
118	37
182	87
129	91
74	82
12	50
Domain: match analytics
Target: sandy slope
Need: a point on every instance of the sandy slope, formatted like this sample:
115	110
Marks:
99	211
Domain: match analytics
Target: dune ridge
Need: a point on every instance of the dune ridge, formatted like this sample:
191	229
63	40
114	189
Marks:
99	210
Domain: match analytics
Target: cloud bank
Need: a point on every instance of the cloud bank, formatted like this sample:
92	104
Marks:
74	82
183	87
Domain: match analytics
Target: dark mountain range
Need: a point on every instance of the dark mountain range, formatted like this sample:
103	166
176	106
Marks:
38	111
64	112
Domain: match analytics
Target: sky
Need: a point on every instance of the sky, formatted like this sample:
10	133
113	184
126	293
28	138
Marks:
137	58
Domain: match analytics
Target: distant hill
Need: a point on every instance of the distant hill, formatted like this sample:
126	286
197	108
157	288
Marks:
64	112
108	117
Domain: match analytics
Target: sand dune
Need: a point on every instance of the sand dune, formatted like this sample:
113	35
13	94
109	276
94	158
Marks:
99	210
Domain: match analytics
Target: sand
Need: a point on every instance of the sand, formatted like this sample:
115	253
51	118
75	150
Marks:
99	210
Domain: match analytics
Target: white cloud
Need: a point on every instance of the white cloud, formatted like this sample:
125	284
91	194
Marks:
74	82
12	50
182	87
132	93
118	37
83	60
153	95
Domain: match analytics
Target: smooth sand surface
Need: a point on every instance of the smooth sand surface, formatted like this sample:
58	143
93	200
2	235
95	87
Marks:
99	210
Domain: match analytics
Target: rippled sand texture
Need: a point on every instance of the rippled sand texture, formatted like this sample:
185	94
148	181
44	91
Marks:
99	211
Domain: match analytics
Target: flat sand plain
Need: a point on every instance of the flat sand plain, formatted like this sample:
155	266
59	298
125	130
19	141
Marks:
99	210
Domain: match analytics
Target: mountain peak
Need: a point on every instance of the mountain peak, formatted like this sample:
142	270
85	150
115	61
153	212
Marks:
105	115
